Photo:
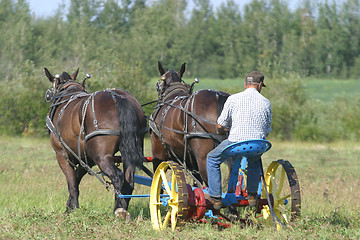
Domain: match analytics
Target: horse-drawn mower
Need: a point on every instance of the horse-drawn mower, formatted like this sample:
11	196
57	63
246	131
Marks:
173	201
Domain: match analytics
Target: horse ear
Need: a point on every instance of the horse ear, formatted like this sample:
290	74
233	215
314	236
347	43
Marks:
74	75
161	69
182	70
49	75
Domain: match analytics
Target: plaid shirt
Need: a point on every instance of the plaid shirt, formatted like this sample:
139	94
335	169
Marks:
248	116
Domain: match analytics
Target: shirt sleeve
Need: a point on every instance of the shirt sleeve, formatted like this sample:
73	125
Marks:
269	118
225	116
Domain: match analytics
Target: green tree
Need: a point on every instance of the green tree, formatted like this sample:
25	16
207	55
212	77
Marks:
156	34
82	37
254	28
23	108
306	40
226	33
331	41
350	18
199	43
16	35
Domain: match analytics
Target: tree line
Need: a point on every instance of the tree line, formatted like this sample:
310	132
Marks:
120	42
316	38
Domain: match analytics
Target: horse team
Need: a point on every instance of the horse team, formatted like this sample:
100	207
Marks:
88	129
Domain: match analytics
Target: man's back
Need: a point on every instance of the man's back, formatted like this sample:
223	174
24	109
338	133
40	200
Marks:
248	116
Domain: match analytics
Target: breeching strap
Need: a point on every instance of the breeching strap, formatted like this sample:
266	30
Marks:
51	127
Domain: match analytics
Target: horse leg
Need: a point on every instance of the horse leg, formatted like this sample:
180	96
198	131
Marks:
128	186
203	147
107	166
73	178
127	189
156	162
158	151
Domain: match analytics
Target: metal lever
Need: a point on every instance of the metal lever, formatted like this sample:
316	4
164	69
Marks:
196	80
86	77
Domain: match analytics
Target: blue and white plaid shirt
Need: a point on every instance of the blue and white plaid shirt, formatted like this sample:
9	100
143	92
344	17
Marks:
247	114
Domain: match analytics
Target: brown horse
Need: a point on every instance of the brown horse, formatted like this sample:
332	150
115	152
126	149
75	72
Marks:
88	129
184	123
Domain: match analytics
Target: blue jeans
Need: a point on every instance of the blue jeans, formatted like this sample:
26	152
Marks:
214	174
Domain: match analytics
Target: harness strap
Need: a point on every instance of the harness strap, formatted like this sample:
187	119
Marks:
213	136
193	115
174	88
54	129
51	127
93	110
186	116
154	127
102	132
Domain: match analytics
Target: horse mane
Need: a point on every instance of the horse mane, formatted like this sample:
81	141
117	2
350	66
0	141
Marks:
174	77
66	76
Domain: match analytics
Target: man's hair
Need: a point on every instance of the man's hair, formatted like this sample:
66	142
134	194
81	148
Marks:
254	78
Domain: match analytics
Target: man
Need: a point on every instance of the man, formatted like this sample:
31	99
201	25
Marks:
247	115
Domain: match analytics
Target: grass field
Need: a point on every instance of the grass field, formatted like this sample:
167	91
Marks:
33	194
325	89
321	89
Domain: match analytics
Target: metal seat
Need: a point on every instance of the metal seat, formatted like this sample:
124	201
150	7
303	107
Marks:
248	148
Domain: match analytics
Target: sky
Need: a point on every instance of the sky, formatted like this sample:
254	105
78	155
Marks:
43	8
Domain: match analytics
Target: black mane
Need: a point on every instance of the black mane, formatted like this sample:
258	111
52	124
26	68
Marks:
66	76
174	77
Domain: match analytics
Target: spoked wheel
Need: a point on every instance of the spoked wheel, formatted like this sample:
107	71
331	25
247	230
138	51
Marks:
168	196
284	190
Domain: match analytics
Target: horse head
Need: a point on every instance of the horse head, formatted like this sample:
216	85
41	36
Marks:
169	77
62	82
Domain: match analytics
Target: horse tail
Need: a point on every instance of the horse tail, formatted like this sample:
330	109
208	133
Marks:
130	146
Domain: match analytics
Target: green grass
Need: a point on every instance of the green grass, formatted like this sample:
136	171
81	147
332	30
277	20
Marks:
329	89
33	194
320	89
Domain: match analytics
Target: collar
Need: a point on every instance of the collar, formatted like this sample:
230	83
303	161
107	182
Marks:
251	89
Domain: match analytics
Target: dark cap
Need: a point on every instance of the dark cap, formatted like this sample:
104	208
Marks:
255	77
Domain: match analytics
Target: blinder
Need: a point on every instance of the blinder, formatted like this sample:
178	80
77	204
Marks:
160	84
49	94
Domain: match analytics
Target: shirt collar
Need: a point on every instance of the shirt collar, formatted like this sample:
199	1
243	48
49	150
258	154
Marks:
251	89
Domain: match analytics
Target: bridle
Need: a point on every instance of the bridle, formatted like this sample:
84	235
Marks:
53	93
163	89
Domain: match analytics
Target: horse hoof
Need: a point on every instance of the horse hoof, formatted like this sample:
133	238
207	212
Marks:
122	213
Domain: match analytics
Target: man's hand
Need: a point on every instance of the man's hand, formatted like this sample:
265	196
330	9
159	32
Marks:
220	129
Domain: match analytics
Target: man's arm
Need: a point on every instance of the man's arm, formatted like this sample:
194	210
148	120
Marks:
221	130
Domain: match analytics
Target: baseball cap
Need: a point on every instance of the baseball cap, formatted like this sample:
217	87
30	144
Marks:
255	77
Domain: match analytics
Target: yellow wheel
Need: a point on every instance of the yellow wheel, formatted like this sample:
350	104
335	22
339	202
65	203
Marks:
284	190
168	196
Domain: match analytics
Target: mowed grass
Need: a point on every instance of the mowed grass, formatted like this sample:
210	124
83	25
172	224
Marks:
33	193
